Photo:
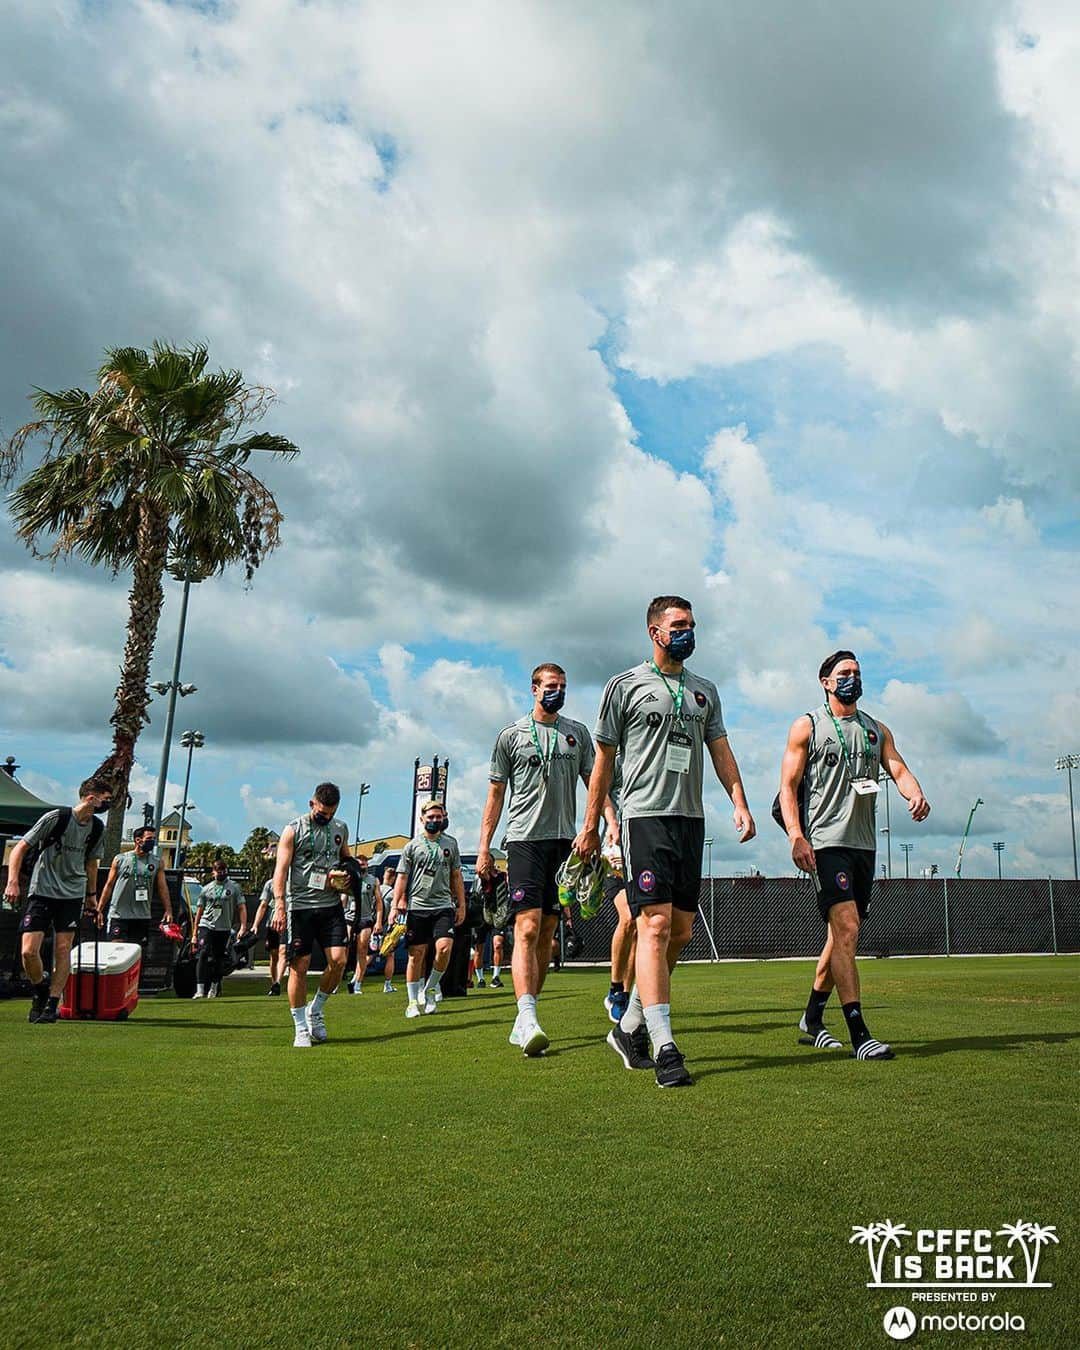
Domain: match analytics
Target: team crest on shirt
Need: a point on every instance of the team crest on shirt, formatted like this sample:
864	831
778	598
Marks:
337	839
534	762
871	735
843	880
646	882
518	894
446	853
653	720
570	740
699	698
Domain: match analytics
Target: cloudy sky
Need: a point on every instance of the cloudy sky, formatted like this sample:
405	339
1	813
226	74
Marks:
772	304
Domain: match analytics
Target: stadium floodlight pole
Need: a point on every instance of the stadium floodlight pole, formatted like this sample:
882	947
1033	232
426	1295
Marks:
365	788
967	830
172	688
1070	762
883	777
906	848
191	741
999	849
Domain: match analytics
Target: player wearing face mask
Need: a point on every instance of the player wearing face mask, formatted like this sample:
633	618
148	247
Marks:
429	896
834	756
540	758
307	907
124	907
660	718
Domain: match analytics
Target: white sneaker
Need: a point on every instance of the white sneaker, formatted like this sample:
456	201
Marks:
431	1003
533	1041
389	988
212	992
200	992
515	1034
438	993
414	1009
316	1025
302	1039
357	988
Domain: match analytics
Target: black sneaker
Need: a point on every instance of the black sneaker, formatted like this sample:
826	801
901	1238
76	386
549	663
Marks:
49	1014
496	982
274	989
38	1005
632	1047
670	1069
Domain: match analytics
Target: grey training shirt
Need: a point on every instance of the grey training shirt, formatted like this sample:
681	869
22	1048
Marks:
220	903
637	714
543	804
428	864
316	851
837	816
60	872
134	887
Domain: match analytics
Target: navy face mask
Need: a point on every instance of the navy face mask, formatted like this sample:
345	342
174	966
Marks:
552	700
681	643
848	688
318	819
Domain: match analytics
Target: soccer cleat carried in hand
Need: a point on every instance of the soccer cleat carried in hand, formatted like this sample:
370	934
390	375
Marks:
582	881
391	940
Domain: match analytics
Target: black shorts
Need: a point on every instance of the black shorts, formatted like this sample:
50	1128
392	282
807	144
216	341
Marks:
531	865
44	912
612	887
367	922
480	933
130	930
424	926
306	925
662	857
845	874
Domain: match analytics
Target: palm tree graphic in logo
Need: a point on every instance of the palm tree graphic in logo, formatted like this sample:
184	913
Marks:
1032	1237
878	1238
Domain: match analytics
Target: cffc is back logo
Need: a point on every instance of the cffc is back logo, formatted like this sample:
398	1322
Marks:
954	1258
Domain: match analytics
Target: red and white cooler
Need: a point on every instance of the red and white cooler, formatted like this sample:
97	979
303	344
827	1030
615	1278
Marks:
104	983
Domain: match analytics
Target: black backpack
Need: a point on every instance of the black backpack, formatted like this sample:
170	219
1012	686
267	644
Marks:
54	839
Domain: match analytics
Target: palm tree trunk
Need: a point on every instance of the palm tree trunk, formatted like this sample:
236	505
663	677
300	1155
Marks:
132	695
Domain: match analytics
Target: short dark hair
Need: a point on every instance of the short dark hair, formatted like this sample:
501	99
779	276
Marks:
659	603
327	794
97	783
547	665
834	660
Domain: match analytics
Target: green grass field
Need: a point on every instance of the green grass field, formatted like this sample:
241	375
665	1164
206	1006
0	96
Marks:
188	1179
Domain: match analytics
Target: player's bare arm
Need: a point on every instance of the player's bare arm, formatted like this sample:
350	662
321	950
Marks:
493	805
588	839
906	782
792	768
285	849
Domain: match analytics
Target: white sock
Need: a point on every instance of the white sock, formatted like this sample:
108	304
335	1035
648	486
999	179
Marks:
527	1007
414	987
658	1020
495	972
433	979
634	1016
200	990
319	1002
299	1016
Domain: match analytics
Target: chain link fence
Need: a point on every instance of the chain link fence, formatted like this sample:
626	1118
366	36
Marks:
769	917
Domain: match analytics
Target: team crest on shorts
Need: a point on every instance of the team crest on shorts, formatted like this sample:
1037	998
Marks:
26	921
843	880
518	894
699	698
646	882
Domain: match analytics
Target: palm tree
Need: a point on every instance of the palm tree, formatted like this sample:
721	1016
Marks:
1039	1236
866	1235
147	472
1017	1232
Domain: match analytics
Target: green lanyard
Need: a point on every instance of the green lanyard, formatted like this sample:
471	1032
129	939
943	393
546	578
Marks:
434	854
676	694
326	854
843	743
553	740
149	870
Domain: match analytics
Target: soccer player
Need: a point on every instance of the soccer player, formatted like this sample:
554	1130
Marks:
306	907
360	916
274	950
124	906
624	938
660	717
835	754
63	882
221	907
430	893
540	757
384	905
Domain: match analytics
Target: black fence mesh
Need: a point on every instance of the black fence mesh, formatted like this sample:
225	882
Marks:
763	917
